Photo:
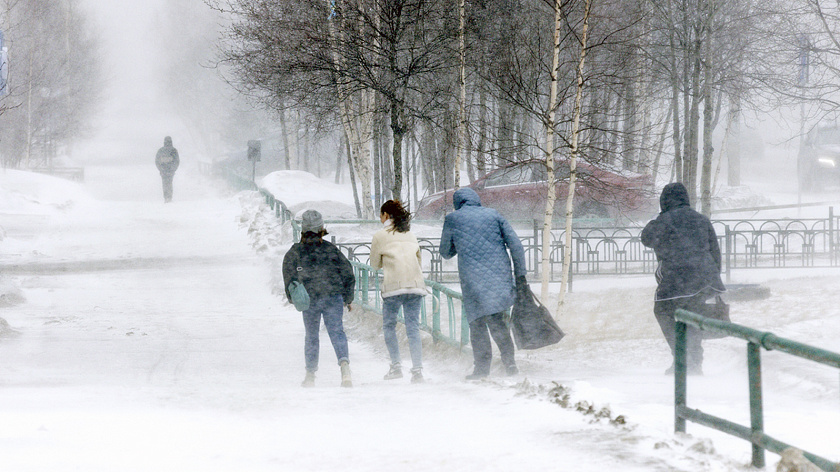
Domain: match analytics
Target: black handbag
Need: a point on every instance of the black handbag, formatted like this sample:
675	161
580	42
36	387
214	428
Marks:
532	325
719	310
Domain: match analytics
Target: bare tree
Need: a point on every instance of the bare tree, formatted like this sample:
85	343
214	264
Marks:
55	80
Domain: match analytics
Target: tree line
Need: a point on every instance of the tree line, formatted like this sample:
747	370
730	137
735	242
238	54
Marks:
54	80
421	90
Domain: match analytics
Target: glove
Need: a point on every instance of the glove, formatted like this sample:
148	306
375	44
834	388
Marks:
521	283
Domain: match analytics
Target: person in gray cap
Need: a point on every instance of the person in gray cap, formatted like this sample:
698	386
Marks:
328	278
167	162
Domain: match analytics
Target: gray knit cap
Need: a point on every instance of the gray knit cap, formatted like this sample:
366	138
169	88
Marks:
311	222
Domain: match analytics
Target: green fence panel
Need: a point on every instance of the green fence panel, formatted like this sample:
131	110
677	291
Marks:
755	341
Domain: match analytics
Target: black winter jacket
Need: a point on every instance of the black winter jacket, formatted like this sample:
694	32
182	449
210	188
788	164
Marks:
324	270
166	159
686	247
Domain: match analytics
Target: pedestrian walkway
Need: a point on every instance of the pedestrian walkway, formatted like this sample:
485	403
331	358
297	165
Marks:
150	341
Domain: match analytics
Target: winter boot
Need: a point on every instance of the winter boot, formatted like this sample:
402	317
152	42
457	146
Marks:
477	376
309	380
511	370
394	373
417	376
346	381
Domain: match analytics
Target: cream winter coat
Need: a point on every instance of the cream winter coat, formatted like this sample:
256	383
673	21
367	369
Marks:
398	254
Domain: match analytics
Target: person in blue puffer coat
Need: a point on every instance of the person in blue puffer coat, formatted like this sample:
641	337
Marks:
482	238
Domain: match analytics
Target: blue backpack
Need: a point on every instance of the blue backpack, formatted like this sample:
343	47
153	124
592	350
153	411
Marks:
297	292
299	295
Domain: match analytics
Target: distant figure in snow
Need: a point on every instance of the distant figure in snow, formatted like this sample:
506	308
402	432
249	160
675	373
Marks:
395	250
481	238
688	274
167	162
328	278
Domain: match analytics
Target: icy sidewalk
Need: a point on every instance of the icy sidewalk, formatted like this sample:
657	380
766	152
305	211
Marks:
149	341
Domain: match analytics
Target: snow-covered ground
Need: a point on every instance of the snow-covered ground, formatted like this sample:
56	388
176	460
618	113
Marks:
144	336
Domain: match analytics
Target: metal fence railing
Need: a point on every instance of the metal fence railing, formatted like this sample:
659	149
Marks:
441	314
755	341
744	244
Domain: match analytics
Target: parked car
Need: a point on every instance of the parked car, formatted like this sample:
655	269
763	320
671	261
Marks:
518	191
819	158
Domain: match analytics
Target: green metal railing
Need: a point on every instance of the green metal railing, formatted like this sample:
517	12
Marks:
449	326
755	341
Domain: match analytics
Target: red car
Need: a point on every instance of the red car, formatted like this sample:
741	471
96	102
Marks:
518	191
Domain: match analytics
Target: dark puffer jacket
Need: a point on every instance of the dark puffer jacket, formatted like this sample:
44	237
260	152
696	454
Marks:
166	159
481	238
686	247
325	270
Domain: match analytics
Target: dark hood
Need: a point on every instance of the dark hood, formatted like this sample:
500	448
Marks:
465	196
673	196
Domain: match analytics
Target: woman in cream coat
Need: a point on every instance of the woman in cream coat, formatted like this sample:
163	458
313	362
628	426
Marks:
395	250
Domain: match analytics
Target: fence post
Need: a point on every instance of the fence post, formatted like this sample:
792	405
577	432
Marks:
436	314
728	244
680	376
537	246
365	287
832	258
756	403
465	327
572	264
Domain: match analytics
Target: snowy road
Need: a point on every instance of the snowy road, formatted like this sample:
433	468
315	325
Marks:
149	340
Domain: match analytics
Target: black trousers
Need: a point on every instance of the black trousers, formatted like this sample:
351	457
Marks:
480	341
167	186
664	312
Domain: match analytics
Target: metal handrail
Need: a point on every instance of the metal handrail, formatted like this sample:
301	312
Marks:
456	333
755	341
368	295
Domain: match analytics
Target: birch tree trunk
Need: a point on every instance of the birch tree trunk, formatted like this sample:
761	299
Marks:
398	131
352	175
285	133
567	250
708	115
462	100
356	109
358	124
733	147
551	190
29	113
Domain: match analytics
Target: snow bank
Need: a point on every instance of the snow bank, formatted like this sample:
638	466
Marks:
28	192
302	191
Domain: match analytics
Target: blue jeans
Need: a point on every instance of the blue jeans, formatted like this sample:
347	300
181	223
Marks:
411	312
332	308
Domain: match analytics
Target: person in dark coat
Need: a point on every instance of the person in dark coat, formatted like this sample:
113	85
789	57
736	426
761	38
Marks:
328	278
167	162
688	274
482	238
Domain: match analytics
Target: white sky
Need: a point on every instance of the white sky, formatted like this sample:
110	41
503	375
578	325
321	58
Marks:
134	118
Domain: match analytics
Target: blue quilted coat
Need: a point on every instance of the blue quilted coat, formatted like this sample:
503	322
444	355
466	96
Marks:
481	238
